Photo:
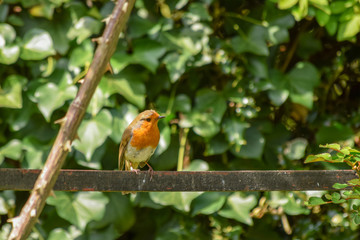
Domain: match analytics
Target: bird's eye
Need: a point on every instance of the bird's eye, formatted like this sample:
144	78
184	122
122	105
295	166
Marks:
148	119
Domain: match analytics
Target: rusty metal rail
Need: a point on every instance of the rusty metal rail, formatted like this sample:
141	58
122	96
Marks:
185	181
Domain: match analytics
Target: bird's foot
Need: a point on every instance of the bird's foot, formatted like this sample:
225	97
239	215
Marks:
151	171
135	170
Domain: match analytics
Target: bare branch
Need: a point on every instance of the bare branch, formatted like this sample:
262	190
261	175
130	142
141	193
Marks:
23	223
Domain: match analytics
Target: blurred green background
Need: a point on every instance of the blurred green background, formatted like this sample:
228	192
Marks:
244	85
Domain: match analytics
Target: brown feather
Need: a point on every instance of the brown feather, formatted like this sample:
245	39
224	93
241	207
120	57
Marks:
125	139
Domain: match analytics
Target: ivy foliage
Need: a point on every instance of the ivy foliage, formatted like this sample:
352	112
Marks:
244	85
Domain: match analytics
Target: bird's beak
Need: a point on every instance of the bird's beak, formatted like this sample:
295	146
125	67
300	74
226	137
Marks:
160	117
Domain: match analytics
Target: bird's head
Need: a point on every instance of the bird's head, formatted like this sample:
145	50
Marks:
148	119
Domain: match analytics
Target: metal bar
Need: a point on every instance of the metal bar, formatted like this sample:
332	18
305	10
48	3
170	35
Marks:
184	181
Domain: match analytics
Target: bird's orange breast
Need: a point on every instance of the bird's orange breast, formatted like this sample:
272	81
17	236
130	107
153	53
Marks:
147	136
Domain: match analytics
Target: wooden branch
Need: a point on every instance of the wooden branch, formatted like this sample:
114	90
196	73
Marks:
184	181
23	223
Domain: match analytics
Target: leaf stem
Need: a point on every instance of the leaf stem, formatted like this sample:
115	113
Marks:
171	100
181	155
247	19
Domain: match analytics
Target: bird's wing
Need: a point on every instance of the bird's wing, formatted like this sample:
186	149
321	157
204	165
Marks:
123	144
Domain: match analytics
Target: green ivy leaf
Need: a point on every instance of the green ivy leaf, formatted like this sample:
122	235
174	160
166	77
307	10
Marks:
331	146
238	207
337	7
334	133
315	201
165	138
335	196
349	29
216	145
303	78
11	92
93	133
285	4
295	149
182	104
7	34
52	95
138	26
84	28
122	117
9	54
119	212
355	181
129	85
295	207
357	219
145	52
211	103
208	203
37	45
258	66
197	165
279	91
179	200
254	42
7	203
79	208
35	153
322	17
323	157
12	150
59	234
234	131
82	55
332	25
340	185
176	64
254	146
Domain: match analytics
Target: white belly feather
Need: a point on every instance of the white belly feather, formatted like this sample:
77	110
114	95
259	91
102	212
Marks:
134	155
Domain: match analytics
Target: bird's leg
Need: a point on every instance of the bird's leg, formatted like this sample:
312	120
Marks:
151	171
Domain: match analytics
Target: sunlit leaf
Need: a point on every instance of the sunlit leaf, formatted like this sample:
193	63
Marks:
323	157
355	181
93	132
11	92
340	185
122	117
303	78
331	145
11	150
315	201
37	45
145	52
79	208
238	207
285	4
53	95
295	149
84	28
59	234
179	200
349	28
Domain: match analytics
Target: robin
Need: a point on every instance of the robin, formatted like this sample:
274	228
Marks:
139	141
